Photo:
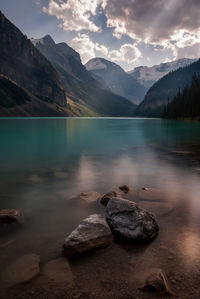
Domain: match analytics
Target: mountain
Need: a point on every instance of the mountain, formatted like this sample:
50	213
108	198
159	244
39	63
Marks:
22	63
166	89
17	101
147	76
50	80
81	87
186	104
117	79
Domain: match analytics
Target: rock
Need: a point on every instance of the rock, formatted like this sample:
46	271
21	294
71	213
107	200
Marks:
145	189
156	281
22	270
59	272
124	188
128	221
10	216
92	232
105	199
90	196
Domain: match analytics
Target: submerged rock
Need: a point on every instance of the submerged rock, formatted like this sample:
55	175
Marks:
89	196
59	272
10	216
156	281
128	221
22	270
92	232
124	188
105	199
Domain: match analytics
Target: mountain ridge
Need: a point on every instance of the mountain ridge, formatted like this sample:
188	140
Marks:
165	89
147	76
57	85
117	79
85	88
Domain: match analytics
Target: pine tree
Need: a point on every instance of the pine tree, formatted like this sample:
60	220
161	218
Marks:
185	103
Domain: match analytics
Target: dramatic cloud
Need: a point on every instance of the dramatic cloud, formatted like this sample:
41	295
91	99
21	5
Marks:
172	25
87	48
153	21
128	53
75	14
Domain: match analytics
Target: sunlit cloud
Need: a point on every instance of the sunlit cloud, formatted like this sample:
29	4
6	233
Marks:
167	25
75	15
127	52
87	48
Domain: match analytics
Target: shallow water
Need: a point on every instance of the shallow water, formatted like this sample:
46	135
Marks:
44	163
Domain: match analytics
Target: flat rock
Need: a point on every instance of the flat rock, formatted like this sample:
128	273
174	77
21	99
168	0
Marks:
10	216
155	281
92	232
89	196
129	222
59	272
22	270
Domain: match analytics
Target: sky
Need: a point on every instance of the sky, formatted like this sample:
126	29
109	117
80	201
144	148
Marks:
130	33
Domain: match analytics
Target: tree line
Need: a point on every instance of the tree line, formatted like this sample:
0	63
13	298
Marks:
186	104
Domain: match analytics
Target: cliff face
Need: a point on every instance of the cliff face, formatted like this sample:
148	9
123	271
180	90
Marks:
24	64
80	85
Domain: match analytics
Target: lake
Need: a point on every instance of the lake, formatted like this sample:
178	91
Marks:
45	163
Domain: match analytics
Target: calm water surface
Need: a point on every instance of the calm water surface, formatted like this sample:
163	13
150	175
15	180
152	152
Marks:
46	162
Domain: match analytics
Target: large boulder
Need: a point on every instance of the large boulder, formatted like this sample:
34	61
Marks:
22	270
10	216
127	221
92	232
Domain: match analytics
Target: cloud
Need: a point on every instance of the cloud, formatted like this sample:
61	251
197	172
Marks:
189	52
153	21
168	25
127	53
75	14
172	24
87	48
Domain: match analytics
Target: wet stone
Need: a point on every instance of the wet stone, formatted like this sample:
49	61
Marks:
22	270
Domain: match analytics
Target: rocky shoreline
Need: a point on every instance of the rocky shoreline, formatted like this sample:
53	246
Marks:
123	221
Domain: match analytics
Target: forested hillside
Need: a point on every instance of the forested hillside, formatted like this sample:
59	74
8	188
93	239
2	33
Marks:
186	104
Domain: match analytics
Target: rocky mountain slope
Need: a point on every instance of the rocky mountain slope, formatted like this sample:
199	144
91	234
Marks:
57	84
147	76
166	89
21	62
117	79
81	87
18	101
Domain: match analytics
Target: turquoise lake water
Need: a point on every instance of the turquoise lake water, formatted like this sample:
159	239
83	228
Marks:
46	162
